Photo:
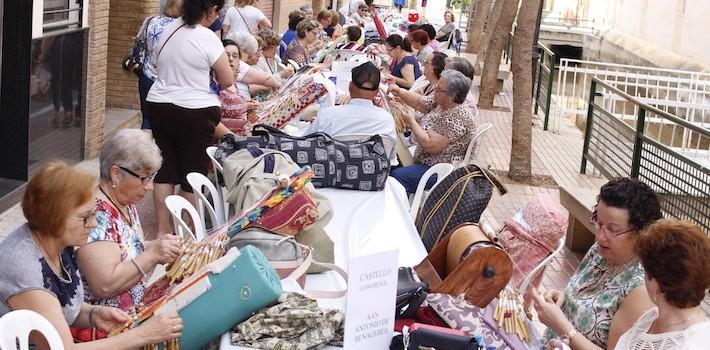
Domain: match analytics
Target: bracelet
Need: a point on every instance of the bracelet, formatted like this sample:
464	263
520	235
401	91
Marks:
570	334
91	316
138	267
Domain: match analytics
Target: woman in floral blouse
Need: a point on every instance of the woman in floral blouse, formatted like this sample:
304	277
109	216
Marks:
116	259
607	293
444	133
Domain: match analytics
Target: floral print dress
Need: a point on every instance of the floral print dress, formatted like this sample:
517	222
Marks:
595	292
112	227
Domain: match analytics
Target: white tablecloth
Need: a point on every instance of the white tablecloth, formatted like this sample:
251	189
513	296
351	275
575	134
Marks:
363	223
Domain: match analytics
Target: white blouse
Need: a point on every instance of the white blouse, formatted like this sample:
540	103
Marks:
637	337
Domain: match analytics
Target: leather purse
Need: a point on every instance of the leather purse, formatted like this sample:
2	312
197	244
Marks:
420	335
410	293
291	216
133	61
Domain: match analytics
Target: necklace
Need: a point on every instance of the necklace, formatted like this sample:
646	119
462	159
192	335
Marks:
59	271
125	217
269	65
672	325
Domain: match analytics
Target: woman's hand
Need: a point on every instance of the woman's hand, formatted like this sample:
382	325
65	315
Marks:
555	296
166	249
108	318
556	344
160	328
550	314
287	72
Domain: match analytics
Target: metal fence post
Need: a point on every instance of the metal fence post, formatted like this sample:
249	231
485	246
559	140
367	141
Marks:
588	129
638	142
549	89
541	61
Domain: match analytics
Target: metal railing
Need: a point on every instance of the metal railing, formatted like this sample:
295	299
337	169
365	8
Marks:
619	147
684	94
579	24
543	81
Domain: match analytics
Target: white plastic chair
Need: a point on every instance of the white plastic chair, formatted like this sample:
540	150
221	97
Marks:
15	327
440	170
529	278
199	184
475	140
218	171
176	205
389	143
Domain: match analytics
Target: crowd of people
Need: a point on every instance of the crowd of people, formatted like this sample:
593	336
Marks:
640	286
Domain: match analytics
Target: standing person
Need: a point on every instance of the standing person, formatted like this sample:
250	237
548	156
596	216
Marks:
41	273
244	17
116	258
306	34
183	103
404	69
675	256
607	293
155	27
445	31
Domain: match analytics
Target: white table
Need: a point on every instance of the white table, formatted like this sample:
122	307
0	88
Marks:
363	223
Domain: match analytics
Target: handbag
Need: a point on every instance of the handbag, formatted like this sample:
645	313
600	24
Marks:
289	258
420	335
357	165
133	61
410	293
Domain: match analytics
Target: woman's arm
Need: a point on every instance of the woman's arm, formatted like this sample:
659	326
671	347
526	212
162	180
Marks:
407	78
257	76
430	141
410	98
223	72
47	305
632	308
225	31
264	24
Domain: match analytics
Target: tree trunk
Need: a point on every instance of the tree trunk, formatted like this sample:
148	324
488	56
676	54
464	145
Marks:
317	6
520	156
476	24
488	31
499	37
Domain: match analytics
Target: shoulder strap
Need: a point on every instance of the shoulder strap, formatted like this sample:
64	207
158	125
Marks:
298	272
243	20
166	41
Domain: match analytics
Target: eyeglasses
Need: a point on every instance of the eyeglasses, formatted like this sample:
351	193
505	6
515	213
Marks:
86	218
439	90
144	179
593	220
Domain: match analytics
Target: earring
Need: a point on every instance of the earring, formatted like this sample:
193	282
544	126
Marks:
113	185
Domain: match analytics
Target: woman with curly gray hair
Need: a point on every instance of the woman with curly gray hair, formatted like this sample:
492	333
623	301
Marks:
116	259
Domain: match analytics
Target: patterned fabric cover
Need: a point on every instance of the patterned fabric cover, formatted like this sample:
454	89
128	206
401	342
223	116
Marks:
462	315
294	323
460	197
532	235
282	108
357	165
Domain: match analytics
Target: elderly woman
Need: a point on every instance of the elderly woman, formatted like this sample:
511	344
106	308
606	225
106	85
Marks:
404	69
675	256
606	295
269	62
444	133
307	32
445	31
116	259
420	42
250	81
41	272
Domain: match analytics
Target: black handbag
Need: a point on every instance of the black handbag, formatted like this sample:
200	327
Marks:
356	165
432	337
460	197
410	293
133	61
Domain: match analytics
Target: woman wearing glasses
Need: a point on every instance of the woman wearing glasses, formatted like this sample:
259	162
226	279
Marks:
40	271
606	295
116	258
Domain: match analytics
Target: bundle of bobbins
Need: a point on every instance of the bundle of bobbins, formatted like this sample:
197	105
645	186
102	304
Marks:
195	256
509	314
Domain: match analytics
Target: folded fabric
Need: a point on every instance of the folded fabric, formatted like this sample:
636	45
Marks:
294	323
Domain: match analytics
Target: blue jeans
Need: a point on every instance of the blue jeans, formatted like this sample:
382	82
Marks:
144	84
410	175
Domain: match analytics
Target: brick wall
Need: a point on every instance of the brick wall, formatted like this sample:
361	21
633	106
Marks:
96	77
281	10
126	19
267	7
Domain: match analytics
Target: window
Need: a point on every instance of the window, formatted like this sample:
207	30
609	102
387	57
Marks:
62	15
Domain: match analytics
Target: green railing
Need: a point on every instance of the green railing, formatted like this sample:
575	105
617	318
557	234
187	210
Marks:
543	81
618	146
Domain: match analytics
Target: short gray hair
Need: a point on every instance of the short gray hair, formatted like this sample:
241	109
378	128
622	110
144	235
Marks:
457	84
462	65
130	148
247	43
306	8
